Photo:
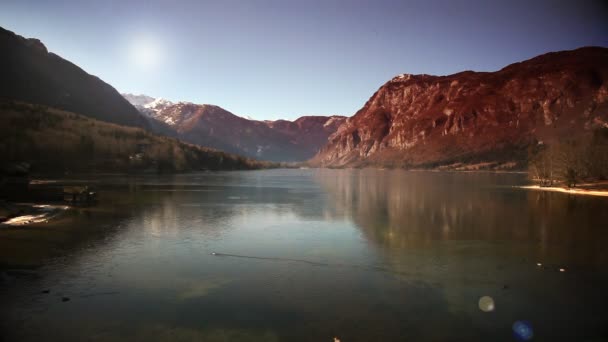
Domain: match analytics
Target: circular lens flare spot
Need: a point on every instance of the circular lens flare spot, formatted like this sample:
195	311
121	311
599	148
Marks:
523	330
486	304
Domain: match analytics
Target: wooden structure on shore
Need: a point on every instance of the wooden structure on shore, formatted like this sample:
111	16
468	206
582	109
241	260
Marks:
79	194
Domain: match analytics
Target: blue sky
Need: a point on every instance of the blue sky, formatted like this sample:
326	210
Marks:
284	59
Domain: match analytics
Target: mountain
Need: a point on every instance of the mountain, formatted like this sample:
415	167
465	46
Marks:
213	126
139	101
483	118
29	73
310	133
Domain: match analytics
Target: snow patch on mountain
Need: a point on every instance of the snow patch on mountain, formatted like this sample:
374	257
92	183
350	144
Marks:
152	107
138	100
158	103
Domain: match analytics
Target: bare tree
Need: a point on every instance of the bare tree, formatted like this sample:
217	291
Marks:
571	161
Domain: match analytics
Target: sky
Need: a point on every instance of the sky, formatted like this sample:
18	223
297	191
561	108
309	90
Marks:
285	59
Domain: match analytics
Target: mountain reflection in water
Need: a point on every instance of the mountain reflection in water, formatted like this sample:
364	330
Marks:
308	255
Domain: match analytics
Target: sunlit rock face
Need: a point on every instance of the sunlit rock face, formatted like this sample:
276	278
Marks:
483	118
213	126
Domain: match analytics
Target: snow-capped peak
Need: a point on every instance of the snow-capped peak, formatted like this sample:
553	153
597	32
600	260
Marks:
145	101
138	100
158	102
152	107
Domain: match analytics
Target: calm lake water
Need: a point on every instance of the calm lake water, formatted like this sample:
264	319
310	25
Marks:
309	255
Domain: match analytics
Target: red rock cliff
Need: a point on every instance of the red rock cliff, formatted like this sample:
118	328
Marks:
475	117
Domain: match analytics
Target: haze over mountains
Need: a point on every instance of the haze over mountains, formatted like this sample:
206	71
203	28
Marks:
31	74
56	117
213	126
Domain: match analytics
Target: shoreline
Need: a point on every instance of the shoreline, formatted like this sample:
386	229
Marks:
32	235
32	213
571	191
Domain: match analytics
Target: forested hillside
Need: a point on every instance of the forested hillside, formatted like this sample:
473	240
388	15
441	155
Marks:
53	140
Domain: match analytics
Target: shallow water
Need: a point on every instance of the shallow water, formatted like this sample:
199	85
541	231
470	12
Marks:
308	255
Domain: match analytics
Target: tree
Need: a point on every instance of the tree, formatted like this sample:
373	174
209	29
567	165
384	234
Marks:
541	165
571	161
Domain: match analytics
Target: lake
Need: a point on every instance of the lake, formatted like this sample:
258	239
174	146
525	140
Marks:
309	255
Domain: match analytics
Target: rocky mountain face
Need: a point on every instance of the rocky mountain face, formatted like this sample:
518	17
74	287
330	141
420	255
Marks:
212	126
487	119
29	73
309	132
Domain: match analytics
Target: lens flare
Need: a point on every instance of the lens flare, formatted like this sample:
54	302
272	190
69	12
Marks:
523	330
486	304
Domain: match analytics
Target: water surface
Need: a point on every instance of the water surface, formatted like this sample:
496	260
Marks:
308	255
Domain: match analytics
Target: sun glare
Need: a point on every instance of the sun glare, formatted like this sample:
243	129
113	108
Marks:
145	53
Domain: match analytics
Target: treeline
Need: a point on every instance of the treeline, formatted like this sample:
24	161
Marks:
571	161
52	140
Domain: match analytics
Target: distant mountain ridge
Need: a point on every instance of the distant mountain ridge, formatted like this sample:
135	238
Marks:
29	73
488	118
213	126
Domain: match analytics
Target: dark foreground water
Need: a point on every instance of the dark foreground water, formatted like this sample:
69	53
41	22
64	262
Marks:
309	255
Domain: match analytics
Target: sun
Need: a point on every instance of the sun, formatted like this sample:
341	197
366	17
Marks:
145	53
